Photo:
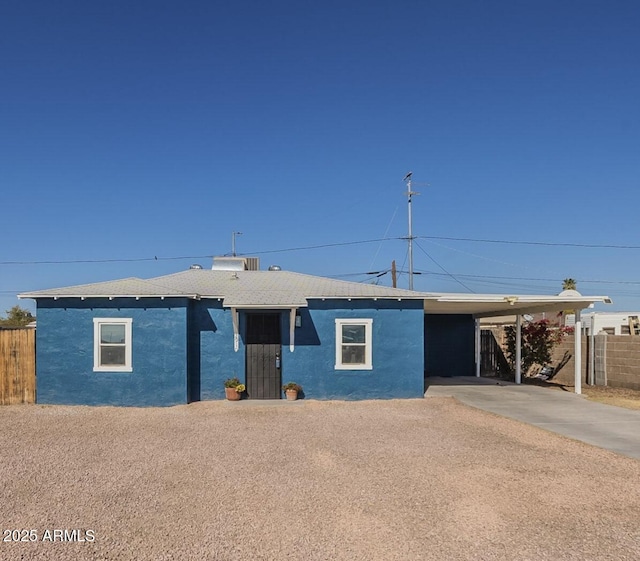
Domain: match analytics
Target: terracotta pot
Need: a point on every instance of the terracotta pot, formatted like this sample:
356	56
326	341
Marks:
292	395
232	394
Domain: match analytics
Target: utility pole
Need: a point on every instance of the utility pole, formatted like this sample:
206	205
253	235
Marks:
410	237
233	242
394	276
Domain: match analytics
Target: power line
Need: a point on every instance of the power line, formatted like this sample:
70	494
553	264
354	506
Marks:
177	258
384	237
523	242
322	246
590	281
447	272
77	261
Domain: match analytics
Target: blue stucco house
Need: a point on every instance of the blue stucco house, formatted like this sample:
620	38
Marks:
176	338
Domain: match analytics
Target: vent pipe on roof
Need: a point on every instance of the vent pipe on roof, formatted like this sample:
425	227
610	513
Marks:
275	268
195	266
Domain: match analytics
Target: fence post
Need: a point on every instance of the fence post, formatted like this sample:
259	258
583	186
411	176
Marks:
518	376
592	356
600	359
577	355
478	348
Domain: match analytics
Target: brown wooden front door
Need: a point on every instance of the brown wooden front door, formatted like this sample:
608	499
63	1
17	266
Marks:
263	356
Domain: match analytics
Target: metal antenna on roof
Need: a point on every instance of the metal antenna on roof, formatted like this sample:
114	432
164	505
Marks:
233	242
410	237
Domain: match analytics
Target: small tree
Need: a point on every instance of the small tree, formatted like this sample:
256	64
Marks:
17	317
538	341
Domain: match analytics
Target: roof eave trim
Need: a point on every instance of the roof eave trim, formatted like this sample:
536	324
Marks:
520	299
110	296
265	306
372	297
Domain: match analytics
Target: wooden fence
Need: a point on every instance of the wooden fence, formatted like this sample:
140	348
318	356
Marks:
17	366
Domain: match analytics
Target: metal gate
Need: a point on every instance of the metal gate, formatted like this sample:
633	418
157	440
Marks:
263	356
492	359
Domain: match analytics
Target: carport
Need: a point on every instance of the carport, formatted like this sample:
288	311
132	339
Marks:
498	305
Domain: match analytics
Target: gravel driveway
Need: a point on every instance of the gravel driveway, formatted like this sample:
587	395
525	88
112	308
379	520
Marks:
401	479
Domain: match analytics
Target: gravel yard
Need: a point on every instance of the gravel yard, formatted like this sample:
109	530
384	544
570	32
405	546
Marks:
401	479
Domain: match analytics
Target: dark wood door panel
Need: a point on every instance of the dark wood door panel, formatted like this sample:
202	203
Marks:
263	351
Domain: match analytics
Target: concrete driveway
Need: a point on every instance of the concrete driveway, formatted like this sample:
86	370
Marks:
565	413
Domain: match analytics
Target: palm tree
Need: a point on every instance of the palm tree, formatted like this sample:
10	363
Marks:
568	284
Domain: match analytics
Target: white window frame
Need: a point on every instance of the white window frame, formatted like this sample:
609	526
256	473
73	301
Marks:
368	343
97	324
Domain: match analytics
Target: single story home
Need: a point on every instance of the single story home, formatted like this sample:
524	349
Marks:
176	338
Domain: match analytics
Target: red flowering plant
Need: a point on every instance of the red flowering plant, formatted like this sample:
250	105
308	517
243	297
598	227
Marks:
538	341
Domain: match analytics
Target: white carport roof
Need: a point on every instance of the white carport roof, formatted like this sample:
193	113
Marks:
493	305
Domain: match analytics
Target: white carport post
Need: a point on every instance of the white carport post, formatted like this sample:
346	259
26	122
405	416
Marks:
518	349
577	353
478	349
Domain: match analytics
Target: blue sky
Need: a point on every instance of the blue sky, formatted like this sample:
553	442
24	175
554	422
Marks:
136	130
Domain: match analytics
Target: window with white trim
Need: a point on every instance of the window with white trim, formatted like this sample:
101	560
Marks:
353	344
112	345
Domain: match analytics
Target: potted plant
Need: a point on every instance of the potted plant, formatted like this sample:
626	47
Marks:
233	389
291	390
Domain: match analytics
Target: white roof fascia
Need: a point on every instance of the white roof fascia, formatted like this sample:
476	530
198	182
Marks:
473	298
35	295
418	296
263	306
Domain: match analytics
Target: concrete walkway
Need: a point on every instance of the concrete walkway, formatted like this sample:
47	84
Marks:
565	413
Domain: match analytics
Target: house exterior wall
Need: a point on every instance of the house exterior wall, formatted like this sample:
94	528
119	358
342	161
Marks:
397	350
212	358
397	338
182	350
449	345
65	348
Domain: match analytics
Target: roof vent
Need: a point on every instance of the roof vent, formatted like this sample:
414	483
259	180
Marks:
236	264
195	266
275	268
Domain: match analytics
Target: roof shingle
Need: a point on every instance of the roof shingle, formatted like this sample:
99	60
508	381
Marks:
236	288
